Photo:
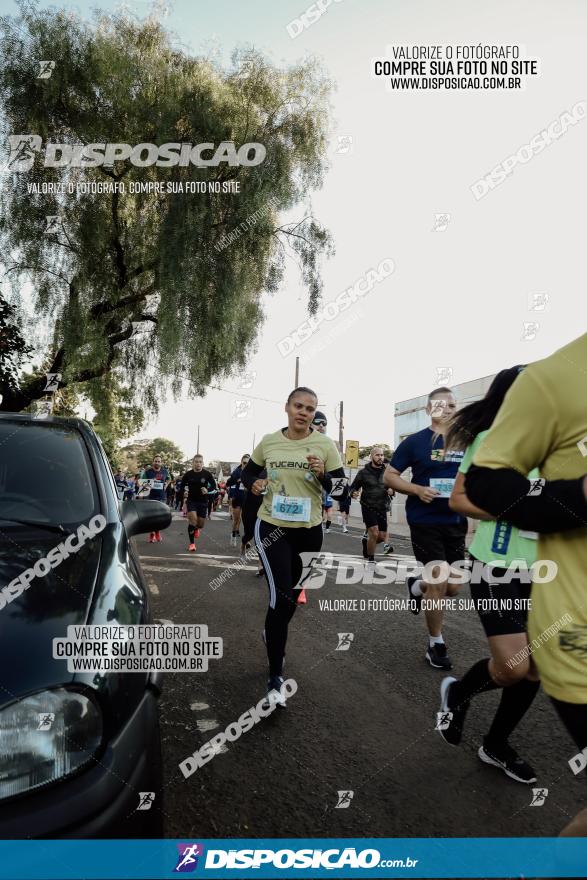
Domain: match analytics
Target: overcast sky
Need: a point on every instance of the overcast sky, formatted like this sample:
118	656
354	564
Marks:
458	297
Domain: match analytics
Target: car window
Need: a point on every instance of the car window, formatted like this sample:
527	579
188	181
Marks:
45	474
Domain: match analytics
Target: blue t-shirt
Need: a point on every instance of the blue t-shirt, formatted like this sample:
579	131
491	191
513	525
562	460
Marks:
430	467
159	478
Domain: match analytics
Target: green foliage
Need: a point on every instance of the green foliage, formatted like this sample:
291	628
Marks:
142	283
365	451
136	456
13	348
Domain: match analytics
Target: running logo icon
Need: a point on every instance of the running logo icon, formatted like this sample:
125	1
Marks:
46	720
188	857
539	795
315	566
344	641
46	68
22	151
146	799
536	487
441	222
344	800
339	484
443	720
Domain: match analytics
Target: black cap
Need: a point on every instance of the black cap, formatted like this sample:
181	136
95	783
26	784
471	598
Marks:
319	417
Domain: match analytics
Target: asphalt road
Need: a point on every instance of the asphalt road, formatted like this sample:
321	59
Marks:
362	719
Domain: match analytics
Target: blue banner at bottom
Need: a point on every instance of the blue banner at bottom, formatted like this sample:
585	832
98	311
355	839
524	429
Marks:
416	857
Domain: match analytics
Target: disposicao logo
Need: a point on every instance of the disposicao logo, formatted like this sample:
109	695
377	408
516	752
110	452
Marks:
24	147
188	854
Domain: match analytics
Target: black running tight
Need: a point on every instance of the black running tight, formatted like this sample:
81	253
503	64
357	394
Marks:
279	549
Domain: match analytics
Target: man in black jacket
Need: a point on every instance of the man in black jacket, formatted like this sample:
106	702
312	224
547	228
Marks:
375	502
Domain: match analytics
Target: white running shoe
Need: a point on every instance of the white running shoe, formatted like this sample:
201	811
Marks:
275	695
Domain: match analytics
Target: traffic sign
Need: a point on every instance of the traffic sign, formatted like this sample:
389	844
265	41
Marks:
351	453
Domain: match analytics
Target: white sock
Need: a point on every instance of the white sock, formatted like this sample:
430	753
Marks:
415	588
436	640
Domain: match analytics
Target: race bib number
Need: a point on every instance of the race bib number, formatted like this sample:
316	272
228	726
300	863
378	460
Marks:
339	484
157	484
443	485
291	509
533	536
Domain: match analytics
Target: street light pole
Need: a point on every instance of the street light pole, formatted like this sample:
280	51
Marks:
297	378
341	427
198	442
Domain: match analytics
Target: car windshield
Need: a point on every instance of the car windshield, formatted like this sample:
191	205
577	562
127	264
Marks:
45	474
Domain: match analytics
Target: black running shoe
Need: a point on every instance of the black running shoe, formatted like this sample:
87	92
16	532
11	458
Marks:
451	716
508	760
416	601
437	656
364	543
387	549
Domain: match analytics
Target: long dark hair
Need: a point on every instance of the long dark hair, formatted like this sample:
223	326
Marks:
479	416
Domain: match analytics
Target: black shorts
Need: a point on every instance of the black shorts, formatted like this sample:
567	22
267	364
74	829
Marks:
236	503
372	517
502	607
433	542
345	506
200	508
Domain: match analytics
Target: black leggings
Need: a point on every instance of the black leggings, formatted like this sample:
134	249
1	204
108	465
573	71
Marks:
279	548
249	516
574	717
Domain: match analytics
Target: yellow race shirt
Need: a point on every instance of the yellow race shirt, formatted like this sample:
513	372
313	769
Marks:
543	424
294	494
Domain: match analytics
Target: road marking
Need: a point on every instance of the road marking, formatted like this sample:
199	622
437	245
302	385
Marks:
206	724
162	568
209	559
199	707
152	585
181	557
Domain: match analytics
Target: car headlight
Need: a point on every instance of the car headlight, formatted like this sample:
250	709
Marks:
46	737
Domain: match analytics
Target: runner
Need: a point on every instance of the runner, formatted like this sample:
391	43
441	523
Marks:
178	494
297	459
236	495
320	423
375	502
503	548
120	481
199	482
327	505
437	533
170	492
212	496
250	510
344	509
157	477
543	423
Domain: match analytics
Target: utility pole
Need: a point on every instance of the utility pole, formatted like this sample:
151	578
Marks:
341	427
254	435
198	442
297	378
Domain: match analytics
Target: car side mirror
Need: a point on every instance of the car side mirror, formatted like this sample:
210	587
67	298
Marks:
141	517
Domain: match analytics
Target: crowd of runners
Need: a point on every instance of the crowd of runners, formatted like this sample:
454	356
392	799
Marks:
515	461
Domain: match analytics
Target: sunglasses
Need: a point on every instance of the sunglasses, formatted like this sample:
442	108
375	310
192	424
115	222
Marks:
320	422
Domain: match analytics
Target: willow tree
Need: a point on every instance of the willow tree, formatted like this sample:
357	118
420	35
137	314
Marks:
156	283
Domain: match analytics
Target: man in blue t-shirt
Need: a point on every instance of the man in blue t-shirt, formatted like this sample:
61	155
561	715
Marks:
438	534
154	480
